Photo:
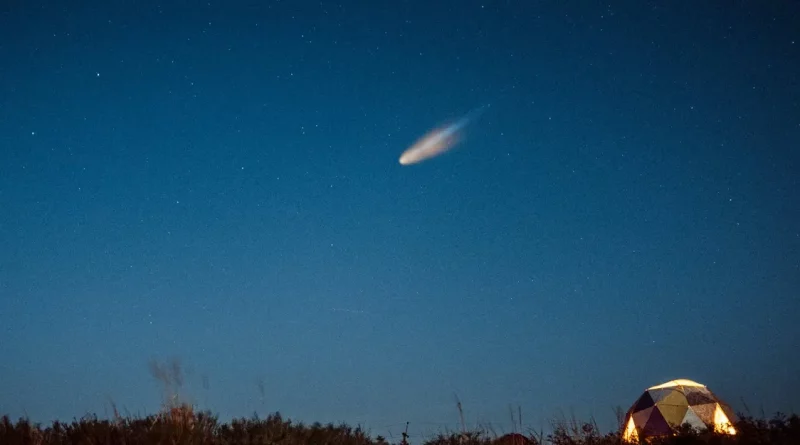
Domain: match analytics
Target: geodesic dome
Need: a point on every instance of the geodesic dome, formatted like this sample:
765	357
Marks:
663	408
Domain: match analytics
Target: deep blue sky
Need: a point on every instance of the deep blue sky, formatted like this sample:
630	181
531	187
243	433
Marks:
220	183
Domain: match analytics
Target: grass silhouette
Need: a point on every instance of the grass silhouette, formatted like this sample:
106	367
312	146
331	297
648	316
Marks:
183	425
179	423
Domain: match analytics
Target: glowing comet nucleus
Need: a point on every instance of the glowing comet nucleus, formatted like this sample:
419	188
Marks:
437	141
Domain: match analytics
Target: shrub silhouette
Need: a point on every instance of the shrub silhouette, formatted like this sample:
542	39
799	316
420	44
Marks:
182	425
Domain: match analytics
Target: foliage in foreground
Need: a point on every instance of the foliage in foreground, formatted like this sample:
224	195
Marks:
181	425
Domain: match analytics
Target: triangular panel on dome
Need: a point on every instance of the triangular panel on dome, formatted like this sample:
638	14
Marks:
700	398
656	425
728	411
692	419
630	433
688	389
673	414
705	412
722	423
644	402
674	398
642	417
658	394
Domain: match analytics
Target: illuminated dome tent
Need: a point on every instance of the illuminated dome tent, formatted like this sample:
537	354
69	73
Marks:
663	408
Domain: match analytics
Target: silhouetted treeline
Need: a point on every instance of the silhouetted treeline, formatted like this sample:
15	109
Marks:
184	426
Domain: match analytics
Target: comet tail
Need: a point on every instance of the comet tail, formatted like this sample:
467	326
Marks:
437	141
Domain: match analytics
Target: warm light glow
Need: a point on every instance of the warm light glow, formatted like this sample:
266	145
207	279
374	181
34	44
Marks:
630	433
721	422
668	400
678	382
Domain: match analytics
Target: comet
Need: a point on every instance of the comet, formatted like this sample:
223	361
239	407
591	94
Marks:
438	141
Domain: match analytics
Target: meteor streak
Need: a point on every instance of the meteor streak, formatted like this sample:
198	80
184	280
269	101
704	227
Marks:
437	141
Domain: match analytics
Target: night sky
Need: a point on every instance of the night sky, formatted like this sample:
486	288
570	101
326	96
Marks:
219	183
